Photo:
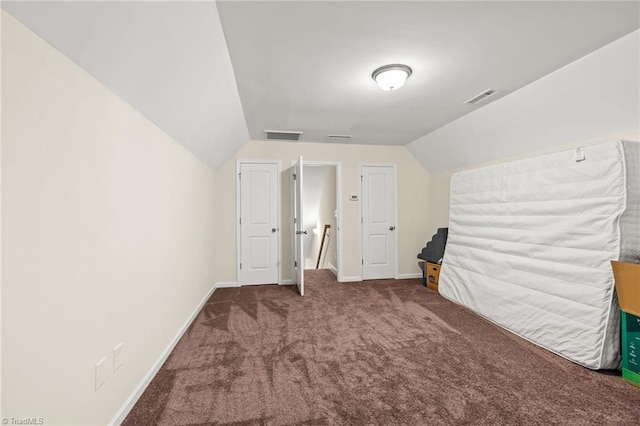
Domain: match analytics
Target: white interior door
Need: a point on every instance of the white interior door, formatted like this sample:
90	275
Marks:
378	222
298	223
258	223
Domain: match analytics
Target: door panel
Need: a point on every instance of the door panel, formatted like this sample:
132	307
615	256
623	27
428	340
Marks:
258	223
378	249
297	225
377	196
260	202
378	222
259	251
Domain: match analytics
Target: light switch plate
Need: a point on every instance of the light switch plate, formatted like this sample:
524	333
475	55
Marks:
117	357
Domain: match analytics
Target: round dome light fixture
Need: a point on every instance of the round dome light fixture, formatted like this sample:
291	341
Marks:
391	77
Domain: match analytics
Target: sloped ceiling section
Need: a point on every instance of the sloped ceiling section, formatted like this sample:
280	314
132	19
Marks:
593	97
306	65
169	60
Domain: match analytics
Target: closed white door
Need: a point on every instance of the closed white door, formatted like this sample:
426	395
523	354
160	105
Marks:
378	222
258	223
297	225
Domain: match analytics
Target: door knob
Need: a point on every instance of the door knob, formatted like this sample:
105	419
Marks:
273	229
391	228
301	232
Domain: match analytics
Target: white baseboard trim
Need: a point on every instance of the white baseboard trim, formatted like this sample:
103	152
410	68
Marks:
139	390
227	284
286	282
408	276
333	269
351	279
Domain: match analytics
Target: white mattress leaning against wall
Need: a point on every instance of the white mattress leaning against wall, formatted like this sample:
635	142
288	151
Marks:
530	243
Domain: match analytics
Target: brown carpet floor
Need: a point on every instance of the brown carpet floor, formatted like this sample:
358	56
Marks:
374	353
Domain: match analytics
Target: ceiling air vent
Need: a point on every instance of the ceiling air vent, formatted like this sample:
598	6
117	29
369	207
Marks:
339	137
481	97
282	135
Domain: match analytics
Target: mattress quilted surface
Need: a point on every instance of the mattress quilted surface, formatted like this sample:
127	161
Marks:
530	243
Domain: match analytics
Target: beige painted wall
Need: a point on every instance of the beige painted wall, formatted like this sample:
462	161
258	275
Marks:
440	182
107	228
413	201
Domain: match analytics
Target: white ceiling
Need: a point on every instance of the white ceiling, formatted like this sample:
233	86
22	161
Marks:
595	98
306	66
169	60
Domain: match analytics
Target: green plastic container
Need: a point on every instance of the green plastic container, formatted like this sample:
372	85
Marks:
631	348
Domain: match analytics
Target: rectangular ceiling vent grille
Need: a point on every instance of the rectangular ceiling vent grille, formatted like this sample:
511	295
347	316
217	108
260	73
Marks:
481	97
282	135
339	137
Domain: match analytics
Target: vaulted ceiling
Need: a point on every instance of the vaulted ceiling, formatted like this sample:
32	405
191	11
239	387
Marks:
307	65
213	76
169	60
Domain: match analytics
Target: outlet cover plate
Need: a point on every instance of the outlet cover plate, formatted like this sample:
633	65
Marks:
101	373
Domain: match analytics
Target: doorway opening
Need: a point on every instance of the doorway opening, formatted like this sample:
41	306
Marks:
317	237
320	217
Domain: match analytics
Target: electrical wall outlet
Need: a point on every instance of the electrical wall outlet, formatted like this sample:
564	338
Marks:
101	373
117	357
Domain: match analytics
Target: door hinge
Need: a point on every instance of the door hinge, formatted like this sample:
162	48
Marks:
361	178
240	221
295	220
295	264
240	265
362	261
295	176
240	176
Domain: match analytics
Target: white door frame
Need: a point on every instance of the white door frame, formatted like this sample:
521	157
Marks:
395	213
278	203
338	166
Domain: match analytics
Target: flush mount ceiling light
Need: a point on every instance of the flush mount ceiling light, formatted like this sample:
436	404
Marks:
391	77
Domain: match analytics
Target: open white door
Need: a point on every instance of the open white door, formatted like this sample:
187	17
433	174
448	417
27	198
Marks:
297	225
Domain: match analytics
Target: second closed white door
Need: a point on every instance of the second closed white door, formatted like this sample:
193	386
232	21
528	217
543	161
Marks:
378	222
